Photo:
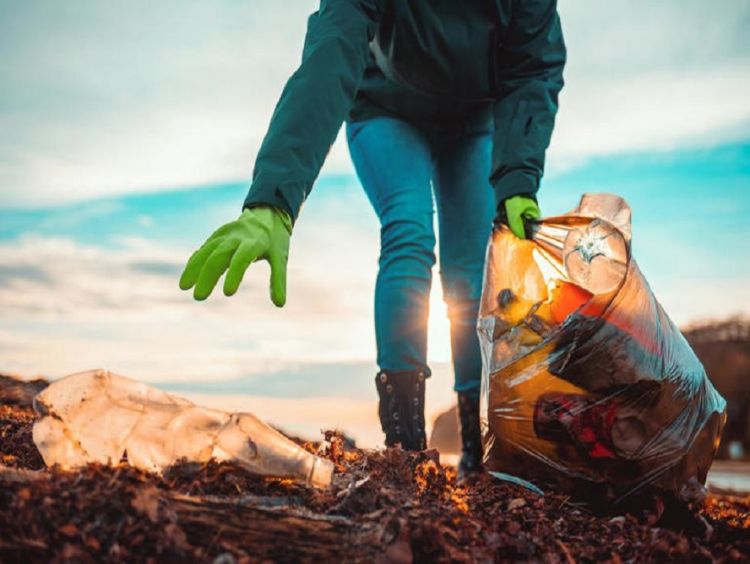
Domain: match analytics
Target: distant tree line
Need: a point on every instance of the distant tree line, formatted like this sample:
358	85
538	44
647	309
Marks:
735	329
724	349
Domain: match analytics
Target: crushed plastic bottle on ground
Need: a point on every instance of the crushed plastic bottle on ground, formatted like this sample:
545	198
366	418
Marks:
97	416
586	381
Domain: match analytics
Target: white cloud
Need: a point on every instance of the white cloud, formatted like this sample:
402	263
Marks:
67	306
644	76
653	112
104	99
101	99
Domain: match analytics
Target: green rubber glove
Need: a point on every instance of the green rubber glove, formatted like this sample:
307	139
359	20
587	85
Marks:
518	209
260	233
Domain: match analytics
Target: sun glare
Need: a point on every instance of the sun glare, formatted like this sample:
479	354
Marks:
438	334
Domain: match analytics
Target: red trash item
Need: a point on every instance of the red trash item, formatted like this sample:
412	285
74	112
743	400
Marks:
566	299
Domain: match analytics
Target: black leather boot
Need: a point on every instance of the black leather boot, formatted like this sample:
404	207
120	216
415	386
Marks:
401	408
471	436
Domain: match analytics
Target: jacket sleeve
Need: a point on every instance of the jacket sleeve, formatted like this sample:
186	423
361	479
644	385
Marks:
313	104
530	63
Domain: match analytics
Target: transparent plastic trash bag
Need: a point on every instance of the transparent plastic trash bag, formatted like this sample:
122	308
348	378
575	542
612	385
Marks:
586	382
98	416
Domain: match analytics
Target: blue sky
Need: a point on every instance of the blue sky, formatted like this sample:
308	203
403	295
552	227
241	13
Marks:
128	133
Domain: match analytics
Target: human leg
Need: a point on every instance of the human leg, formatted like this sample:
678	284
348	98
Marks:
466	206
394	165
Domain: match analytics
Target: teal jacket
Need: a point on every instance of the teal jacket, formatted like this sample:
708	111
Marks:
436	63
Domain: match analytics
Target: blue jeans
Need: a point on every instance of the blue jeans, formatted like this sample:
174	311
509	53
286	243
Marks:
400	166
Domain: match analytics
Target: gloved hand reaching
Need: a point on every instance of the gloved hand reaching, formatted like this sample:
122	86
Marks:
259	233
515	211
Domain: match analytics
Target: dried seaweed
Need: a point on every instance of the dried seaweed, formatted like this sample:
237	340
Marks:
388	505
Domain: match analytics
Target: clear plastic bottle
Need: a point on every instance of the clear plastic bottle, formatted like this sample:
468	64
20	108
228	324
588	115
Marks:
592	244
97	416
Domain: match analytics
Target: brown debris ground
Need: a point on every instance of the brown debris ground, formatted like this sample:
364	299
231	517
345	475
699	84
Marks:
383	506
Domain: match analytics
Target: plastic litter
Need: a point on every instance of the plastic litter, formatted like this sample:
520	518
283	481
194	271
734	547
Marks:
98	416
586	381
503	477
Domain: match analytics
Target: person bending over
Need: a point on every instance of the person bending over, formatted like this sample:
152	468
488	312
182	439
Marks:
444	101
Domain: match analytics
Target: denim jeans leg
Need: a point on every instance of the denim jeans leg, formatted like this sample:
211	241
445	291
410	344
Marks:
394	165
466	208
